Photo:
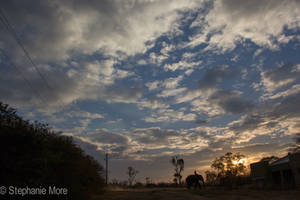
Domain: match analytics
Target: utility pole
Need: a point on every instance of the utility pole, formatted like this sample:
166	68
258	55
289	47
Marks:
106	168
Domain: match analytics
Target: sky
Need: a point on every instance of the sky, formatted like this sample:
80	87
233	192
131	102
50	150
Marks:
145	80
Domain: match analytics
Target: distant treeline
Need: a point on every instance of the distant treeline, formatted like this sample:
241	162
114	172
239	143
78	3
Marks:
32	155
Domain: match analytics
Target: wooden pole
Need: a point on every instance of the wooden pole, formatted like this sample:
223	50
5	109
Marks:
106	168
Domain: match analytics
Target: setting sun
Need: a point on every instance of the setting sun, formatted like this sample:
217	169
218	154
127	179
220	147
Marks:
243	160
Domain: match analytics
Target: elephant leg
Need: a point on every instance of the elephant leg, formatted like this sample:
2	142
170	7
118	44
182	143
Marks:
195	185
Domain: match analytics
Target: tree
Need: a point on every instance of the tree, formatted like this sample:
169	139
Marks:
33	155
148	181
211	177
131	175
178	164
229	165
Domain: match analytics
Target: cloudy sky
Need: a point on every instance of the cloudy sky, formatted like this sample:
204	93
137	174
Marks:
146	80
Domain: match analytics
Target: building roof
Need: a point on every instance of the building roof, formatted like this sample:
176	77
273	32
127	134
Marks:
282	160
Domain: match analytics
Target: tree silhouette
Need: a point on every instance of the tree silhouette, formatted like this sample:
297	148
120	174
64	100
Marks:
211	177
148	180
178	164
131	172
229	164
32	155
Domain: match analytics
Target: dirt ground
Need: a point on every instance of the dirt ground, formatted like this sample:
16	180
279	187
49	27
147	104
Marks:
204	194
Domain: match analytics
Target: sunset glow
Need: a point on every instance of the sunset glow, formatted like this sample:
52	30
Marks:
243	161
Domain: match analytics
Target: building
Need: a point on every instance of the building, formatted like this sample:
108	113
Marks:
284	172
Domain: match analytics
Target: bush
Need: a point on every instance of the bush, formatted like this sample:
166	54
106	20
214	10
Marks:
32	155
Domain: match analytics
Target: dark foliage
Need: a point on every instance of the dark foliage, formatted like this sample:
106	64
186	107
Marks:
229	170
226	167
178	164
31	155
131	172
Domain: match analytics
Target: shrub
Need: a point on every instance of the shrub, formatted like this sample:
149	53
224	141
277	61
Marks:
32	155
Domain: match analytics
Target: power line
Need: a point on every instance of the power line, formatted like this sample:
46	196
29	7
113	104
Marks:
12	31
24	78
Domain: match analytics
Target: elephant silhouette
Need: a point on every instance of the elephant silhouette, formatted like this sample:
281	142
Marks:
194	180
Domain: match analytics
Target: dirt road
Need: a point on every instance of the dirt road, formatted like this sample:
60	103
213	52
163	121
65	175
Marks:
207	194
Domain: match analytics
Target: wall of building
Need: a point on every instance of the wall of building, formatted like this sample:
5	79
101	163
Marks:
295	167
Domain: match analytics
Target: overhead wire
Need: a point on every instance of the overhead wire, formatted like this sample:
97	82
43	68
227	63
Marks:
24	78
14	34
12	31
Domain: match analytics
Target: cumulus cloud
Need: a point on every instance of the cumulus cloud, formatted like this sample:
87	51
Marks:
189	95
277	117
171	92
169	115
78	27
156	58
153	85
210	100
152	102
167	141
168	86
78	49
260	21
105	137
81	81
172	82
216	102
182	65
153	136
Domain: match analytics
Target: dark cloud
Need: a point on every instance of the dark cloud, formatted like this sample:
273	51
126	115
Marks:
82	85
122	94
270	114
249	123
58	30
288	71
35	92
289	107
203	134
106	137
268	148
90	149
154	135
201	121
231	102
214	76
